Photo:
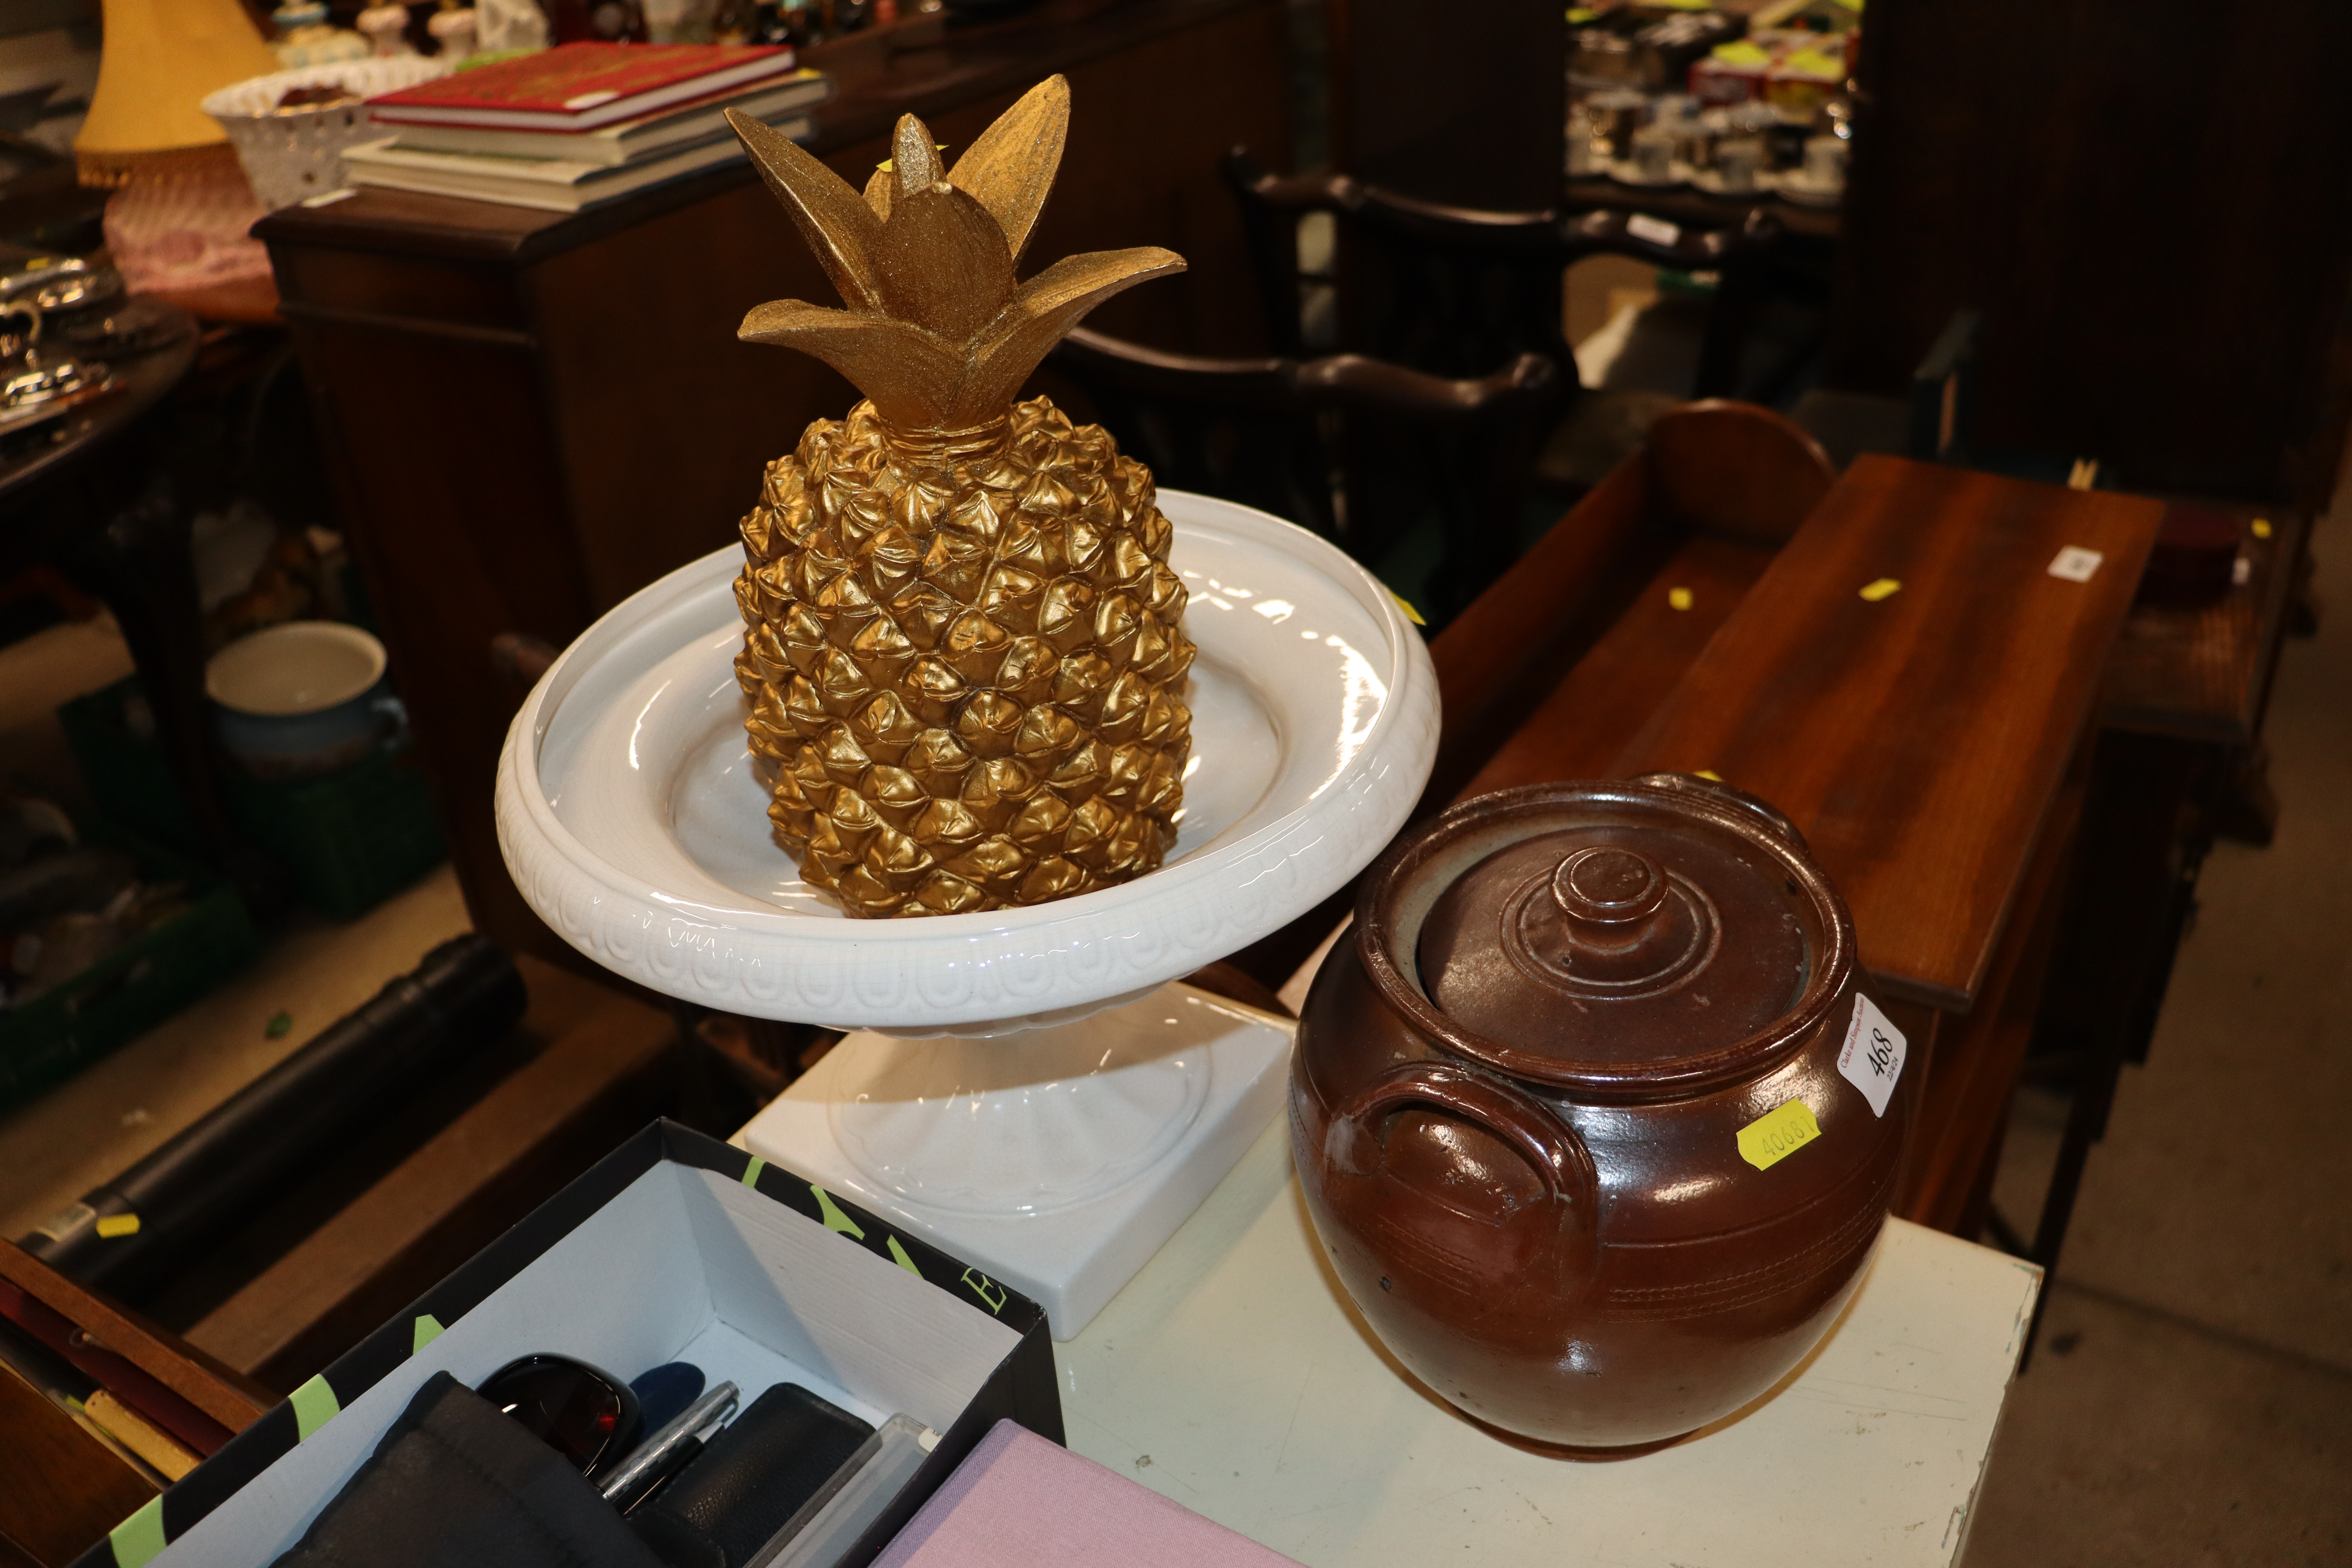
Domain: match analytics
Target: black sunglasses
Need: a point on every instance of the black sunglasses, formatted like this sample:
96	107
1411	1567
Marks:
588	1416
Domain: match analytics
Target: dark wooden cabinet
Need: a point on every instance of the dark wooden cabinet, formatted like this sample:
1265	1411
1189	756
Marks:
1466	107
2152	202
533	414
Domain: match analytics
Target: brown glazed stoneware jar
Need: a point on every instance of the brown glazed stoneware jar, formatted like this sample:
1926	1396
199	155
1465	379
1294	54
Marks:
1519	1095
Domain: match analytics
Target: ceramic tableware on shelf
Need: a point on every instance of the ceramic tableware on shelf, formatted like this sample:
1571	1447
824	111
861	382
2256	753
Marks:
1739	162
1616	114
1592	1110
1652	160
1584	158
1820	181
299	700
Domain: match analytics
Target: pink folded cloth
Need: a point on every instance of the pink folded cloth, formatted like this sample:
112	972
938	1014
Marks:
1020	1501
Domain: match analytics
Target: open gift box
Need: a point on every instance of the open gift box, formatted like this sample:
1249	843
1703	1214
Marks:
674	1248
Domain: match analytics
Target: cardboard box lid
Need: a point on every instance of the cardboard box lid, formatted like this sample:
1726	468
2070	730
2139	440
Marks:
674	1242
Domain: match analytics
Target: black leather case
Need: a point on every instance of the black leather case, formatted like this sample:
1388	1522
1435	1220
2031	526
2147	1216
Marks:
755	1473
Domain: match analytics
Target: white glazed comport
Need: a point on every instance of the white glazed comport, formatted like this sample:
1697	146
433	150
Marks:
632	822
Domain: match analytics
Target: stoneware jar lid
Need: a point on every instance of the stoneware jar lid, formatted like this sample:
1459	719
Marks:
1626	938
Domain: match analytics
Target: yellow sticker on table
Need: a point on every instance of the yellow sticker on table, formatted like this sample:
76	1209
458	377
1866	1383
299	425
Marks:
1680	598
1883	588
1778	1133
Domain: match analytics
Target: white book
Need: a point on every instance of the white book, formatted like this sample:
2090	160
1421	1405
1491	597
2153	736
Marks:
550	184
629	141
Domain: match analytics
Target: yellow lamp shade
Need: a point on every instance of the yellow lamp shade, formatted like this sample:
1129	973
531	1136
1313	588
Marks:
161	58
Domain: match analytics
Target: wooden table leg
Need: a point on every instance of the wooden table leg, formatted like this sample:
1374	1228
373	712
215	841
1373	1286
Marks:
142	563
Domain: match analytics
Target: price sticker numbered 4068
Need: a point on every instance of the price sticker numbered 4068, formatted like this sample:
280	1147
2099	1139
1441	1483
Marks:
1872	1056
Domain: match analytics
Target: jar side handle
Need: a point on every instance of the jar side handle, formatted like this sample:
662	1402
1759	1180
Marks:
1731	796
1560	1160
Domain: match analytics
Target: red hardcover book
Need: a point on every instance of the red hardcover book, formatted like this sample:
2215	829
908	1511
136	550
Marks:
578	87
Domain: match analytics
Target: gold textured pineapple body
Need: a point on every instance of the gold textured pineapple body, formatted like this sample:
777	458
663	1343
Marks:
964	677
965	651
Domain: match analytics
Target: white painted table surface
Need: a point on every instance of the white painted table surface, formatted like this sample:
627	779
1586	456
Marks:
1233	1375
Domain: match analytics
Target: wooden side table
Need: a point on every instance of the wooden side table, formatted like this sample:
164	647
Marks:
1909	680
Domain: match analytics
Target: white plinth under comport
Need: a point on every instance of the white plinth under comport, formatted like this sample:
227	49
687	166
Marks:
1057	1162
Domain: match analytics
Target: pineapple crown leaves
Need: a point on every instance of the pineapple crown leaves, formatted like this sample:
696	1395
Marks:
938	334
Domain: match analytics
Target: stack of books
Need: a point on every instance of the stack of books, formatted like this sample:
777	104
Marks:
579	124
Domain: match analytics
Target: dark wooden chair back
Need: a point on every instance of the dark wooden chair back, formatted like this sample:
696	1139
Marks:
1736	469
1354	447
1457	290
1240	429
1944	393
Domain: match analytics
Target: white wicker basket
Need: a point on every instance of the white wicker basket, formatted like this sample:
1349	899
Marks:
299	153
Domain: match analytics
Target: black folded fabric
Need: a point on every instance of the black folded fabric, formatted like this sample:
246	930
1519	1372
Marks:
455	1484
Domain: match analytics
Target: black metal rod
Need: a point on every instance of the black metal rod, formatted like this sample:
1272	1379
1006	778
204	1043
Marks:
464	996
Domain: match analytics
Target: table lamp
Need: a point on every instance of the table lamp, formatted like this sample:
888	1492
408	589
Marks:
160	58
178	220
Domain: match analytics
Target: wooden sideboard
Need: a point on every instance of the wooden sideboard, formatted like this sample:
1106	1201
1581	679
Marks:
530	415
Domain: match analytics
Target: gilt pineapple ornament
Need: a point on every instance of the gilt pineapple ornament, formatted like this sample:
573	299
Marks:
964	653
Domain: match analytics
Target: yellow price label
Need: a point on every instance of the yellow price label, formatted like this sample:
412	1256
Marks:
1778	1133
1740	52
115	1224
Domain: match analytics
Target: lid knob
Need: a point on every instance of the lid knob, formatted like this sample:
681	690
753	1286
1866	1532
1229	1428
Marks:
1608	887
1615	925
